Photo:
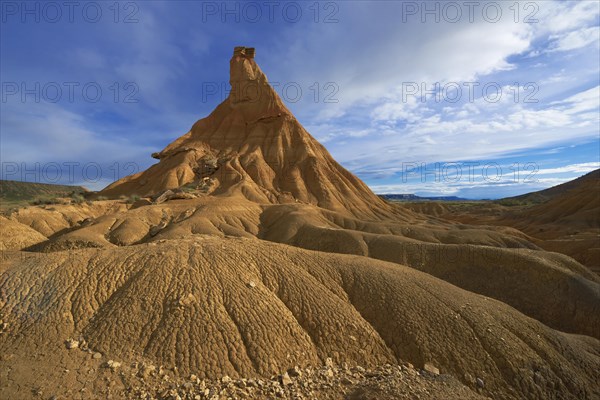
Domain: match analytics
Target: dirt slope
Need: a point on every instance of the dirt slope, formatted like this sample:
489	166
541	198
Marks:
16	236
499	263
576	206
590	180
243	307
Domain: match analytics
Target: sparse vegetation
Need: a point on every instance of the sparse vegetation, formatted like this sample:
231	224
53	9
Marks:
77	198
514	202
45	201
15	194
10	211
190	187
132	199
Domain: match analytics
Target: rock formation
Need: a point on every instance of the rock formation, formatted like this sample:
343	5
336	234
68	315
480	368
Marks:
252	144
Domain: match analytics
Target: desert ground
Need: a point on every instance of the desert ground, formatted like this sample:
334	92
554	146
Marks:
248	264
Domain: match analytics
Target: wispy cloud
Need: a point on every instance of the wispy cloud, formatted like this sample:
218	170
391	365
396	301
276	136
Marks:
580	168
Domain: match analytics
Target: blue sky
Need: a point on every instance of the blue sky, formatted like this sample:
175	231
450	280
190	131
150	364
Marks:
482	101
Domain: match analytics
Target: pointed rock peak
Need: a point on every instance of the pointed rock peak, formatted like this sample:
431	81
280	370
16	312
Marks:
248	82
243	68
252	145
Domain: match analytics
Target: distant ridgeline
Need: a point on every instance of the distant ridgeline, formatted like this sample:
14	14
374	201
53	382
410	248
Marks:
412	197
14	193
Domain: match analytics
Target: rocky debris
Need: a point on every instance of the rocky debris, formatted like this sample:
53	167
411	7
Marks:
156	155
428	367
186	300
285	379
346	381
97	356
295	372
330	381
113	365
206	185
212	163
164	196
251	284
155	230
480	383
173	195
206	167
72	344
328	373
146	369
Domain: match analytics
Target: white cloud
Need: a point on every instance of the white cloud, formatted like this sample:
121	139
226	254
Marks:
580	168
468	184
575	39
490	134
368	68
46	132
559	16
409	110
588	100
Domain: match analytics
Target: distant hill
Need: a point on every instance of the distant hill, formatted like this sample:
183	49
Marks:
14	193
412	197
574	204
542	196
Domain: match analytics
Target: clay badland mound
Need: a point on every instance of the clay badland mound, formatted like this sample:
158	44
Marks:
575	204
591	181
198	284
251	144
569	222
564	218
243	307
504	265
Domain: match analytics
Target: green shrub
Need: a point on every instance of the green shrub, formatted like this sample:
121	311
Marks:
44	201
513	202
76	198
133	198
189	188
